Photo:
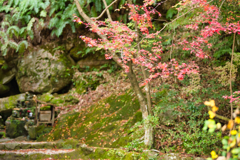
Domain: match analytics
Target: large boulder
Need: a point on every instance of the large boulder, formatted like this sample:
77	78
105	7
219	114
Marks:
41	71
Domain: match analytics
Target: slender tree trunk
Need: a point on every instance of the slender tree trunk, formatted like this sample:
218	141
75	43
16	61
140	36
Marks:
148	137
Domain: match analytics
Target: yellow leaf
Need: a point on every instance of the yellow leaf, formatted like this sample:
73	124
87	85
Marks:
214	109
233	143
219	125
210	103
211	114
214	155
233	132
230	124
237	120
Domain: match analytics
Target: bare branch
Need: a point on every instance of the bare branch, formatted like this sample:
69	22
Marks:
108	13
106	9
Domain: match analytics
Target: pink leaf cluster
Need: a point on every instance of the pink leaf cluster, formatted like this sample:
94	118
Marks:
121	39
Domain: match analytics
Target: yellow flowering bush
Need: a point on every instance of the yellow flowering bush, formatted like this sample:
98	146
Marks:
231	143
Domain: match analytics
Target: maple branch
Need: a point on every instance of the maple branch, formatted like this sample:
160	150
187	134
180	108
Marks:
106	9
115	57
170	23
108	13
81	12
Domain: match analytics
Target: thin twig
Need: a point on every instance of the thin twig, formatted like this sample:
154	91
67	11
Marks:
108	13
221	117
168	24
106	9
221	5
231	75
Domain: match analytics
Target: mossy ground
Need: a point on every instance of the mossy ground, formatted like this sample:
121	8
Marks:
105	124
84	153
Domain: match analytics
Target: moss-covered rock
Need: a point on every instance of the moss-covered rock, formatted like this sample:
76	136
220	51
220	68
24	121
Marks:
63	99
15	128
41	71
85	81
37	131
105	124
10	102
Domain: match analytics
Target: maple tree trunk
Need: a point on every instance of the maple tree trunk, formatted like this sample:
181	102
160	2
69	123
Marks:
148	137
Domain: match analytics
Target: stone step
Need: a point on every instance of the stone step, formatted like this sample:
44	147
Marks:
13	145
23	154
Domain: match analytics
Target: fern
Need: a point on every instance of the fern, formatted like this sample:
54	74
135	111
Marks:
121	3
44	5
23	32
13	30
93	12
13	44
53	22
4	23
5	8
59	27
30	24
22	46
98	5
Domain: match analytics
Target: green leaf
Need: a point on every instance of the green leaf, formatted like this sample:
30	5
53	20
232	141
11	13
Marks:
98	5
121	3
53	22
4	23
125	18
170	13
23	32
16	3
13	30
72	24
60	27
52	10
45	5
5	9
30	24
235	150
43	13
93	12
30	33
224	142
22	46
13	44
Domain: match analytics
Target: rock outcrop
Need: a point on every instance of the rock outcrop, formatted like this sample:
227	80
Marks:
41	71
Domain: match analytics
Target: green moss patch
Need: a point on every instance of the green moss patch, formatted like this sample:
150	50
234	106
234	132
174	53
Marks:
105	124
